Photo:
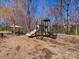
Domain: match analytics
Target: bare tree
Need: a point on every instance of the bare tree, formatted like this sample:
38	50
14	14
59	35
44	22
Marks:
76	11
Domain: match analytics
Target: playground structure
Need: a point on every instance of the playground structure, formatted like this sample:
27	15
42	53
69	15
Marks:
42	30
16	29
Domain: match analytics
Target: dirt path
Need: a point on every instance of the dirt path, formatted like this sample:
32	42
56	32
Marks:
30	48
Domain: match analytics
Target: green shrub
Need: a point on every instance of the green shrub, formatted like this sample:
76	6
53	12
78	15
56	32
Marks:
4	28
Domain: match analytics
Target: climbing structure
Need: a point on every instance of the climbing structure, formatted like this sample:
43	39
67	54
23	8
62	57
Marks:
44	29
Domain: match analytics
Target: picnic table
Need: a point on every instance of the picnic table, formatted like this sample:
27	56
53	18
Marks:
4	32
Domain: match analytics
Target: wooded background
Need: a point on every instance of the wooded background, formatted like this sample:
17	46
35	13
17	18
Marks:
64	14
